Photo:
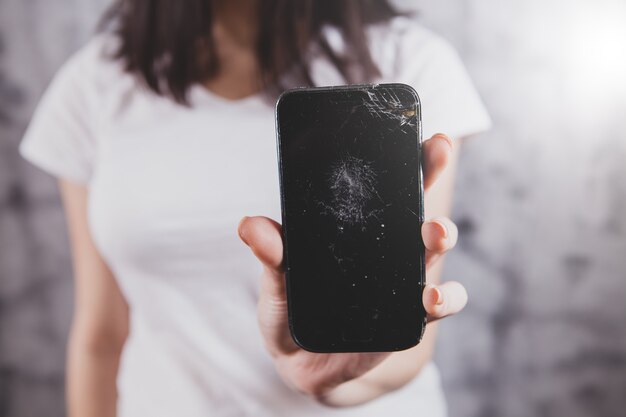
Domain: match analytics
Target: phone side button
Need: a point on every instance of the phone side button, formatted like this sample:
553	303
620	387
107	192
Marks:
356	325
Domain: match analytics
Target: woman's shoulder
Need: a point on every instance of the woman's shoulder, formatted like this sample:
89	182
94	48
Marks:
62	135
403	41
407	52
93	68
402	29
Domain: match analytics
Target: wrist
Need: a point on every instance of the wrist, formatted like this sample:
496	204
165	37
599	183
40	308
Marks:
349	394
315	386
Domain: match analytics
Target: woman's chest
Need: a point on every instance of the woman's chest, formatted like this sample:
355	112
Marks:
174	188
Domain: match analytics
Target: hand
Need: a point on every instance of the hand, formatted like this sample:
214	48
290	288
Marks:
317	374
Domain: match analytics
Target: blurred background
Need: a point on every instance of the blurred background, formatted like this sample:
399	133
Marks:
540	203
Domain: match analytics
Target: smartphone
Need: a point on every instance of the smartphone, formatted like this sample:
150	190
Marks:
352	209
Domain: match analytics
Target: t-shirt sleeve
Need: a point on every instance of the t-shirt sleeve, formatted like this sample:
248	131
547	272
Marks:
60	136
450	103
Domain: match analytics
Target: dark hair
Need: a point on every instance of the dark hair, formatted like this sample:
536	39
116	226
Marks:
168	43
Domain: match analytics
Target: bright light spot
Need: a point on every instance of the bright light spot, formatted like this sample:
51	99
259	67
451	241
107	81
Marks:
595	48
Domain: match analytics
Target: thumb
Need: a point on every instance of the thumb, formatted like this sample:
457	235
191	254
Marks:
263	236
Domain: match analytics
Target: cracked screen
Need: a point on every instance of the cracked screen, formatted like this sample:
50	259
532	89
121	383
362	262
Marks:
352	209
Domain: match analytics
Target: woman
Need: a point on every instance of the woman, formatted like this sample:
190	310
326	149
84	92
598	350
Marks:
161	133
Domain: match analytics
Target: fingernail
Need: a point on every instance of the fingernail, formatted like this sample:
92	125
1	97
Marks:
446	138
439	300
442	227
240	231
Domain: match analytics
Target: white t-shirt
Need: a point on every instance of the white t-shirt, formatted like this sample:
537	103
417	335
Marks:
168	185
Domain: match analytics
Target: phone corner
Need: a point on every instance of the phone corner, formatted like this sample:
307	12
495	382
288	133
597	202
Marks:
410	89
409	344
301	344
282	97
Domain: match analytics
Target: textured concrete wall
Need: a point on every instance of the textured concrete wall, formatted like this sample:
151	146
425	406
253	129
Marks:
541	204
35	277
542	207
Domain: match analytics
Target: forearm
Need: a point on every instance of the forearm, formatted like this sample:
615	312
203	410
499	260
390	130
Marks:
100	325
91	379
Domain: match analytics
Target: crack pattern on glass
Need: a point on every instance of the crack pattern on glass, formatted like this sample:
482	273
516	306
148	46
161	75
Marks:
387	103
352	182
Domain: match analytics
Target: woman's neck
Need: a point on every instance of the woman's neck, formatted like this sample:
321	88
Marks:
237	20
235	29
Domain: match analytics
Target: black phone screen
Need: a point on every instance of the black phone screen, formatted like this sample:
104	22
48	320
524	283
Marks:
352	208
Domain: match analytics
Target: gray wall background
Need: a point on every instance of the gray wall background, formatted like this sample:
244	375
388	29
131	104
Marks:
541	205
